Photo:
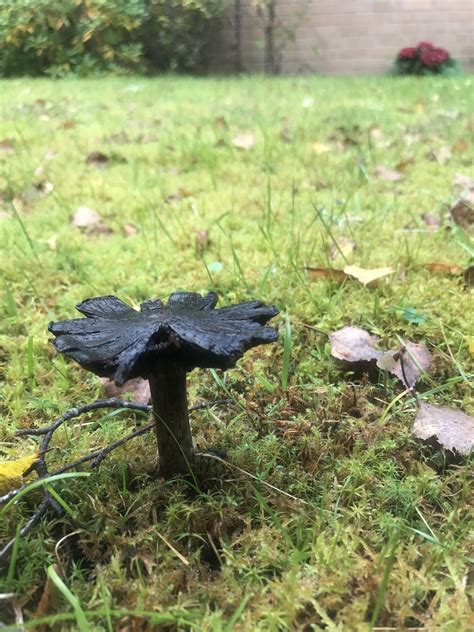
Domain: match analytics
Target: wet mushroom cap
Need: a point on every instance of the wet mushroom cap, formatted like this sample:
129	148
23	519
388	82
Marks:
117	341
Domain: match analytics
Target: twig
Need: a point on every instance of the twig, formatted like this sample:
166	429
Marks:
97	456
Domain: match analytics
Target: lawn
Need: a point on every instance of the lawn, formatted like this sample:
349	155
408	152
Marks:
328	514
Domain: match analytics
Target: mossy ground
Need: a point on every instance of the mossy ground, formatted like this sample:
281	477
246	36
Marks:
377	534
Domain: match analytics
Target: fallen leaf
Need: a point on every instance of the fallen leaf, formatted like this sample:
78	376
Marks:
441	155
48	599
353	344
470	344
244	141
448	428
326	273
97	158
138	389
469	276
463	214
7	145
178	195
462	181
409	363
85	217
367	276
438	267
384	173
220	122
460	146
202	241
404	163
90	221
320	148
129	230
11	472
67	124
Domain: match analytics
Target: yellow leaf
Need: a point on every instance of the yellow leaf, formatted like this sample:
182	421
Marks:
12	471
470	344
366	276
320	148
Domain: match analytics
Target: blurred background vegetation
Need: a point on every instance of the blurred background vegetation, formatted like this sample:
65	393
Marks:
85	37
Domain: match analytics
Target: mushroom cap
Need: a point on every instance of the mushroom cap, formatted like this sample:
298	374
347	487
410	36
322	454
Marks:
117	341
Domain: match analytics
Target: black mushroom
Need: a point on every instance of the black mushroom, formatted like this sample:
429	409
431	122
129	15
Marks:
162	343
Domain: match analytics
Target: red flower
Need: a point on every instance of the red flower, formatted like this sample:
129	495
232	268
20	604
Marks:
434	57
425	46
407	53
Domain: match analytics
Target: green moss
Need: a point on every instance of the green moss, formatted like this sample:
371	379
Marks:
252	558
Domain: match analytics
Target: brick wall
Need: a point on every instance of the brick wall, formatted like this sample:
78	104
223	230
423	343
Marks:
347	36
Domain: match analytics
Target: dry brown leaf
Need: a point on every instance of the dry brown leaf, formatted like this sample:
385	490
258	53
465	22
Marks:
461	146
220	122
448	428
138	389
469	276
89	221
463	214
326	273
244	141
353	344
404	163
7	146
67	124
129	230
438	267
368	276
408	364
48	599
390	175
178	195
97	158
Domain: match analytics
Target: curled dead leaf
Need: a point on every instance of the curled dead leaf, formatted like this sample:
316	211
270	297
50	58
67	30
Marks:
448	428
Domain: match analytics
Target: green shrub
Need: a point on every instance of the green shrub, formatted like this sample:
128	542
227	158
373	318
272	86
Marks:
175	32
86	36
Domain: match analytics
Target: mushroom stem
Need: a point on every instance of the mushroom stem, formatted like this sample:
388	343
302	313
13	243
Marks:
170	412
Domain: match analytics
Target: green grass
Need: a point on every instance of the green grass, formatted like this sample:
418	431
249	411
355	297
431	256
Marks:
376	530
